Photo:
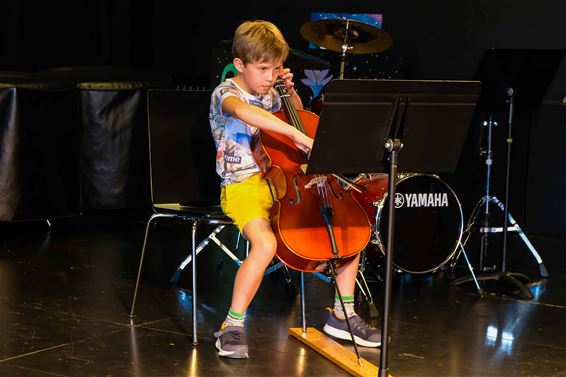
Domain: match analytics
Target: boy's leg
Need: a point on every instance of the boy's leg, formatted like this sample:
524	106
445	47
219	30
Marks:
262	251
346	276
346	281
231	342
336	325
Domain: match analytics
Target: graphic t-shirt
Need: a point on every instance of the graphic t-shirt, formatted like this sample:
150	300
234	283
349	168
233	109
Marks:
233	137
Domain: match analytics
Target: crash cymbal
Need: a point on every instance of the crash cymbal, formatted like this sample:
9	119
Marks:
333	33
297	60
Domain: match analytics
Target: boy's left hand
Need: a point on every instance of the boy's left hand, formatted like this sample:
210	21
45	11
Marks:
287	77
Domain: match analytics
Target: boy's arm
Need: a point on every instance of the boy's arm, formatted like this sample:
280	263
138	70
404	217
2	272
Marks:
262	119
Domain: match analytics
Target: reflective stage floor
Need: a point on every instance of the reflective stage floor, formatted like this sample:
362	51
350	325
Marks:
65	296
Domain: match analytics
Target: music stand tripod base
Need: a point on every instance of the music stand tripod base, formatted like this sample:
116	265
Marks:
499	276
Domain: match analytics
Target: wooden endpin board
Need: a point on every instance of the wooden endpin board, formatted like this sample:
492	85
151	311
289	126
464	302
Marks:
335	352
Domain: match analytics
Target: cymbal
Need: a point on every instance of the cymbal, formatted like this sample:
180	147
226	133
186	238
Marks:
362	38
297	60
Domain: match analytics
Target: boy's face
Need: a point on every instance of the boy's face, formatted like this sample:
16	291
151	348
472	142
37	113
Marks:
258	77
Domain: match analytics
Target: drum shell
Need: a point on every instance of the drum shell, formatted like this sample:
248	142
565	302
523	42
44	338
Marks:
375	188
428	225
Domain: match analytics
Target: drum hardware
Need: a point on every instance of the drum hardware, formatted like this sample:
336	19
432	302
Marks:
508	81
490	273
346	37
363	287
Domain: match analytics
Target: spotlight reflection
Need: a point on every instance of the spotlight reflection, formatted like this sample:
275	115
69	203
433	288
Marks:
503	340
491	335
193	358
301	361
185	300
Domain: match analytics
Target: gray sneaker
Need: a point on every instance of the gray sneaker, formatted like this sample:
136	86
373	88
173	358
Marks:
364	334
231	342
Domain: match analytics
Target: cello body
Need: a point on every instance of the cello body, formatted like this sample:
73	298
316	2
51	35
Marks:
303	237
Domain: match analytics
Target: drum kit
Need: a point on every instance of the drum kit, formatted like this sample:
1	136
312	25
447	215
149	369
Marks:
429	219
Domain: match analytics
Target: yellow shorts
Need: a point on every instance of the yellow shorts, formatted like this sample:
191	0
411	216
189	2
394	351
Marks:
247	200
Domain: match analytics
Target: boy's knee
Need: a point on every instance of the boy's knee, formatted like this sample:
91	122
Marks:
266	247
269	246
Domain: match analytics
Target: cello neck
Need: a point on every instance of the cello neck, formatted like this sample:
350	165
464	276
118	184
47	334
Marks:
288	107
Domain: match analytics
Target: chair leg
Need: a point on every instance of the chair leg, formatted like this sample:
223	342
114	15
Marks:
223	247
145	241
174	279
287	275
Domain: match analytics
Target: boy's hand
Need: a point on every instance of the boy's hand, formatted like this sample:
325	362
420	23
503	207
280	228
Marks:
302	142
287	77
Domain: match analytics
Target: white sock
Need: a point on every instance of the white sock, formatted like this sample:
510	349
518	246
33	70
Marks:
348	303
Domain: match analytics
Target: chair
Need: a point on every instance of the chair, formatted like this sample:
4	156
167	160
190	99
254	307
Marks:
184	184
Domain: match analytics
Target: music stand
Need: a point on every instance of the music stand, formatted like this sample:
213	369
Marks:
508	82
360	119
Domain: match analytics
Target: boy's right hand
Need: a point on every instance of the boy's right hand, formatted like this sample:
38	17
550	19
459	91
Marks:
302	141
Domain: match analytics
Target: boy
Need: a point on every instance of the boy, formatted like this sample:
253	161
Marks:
239	107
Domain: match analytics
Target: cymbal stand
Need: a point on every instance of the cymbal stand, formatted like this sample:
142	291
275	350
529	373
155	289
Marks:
485	228
345	48
462	251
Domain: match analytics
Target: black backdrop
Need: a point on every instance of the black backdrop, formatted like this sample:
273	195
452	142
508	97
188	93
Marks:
437	40
441	39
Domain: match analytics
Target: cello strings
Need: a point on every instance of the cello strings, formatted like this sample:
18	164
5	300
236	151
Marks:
296	122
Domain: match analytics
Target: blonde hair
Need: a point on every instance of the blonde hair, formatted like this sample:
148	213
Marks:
259	41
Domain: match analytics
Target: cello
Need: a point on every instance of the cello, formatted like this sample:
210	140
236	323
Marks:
314	218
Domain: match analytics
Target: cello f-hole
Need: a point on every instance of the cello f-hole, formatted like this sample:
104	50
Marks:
296	201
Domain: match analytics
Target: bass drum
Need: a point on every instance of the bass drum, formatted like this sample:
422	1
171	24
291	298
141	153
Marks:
428	221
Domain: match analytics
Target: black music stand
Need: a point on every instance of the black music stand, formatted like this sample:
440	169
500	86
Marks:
511	78
361	119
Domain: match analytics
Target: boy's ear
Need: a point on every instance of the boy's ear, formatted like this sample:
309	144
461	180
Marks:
239	64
